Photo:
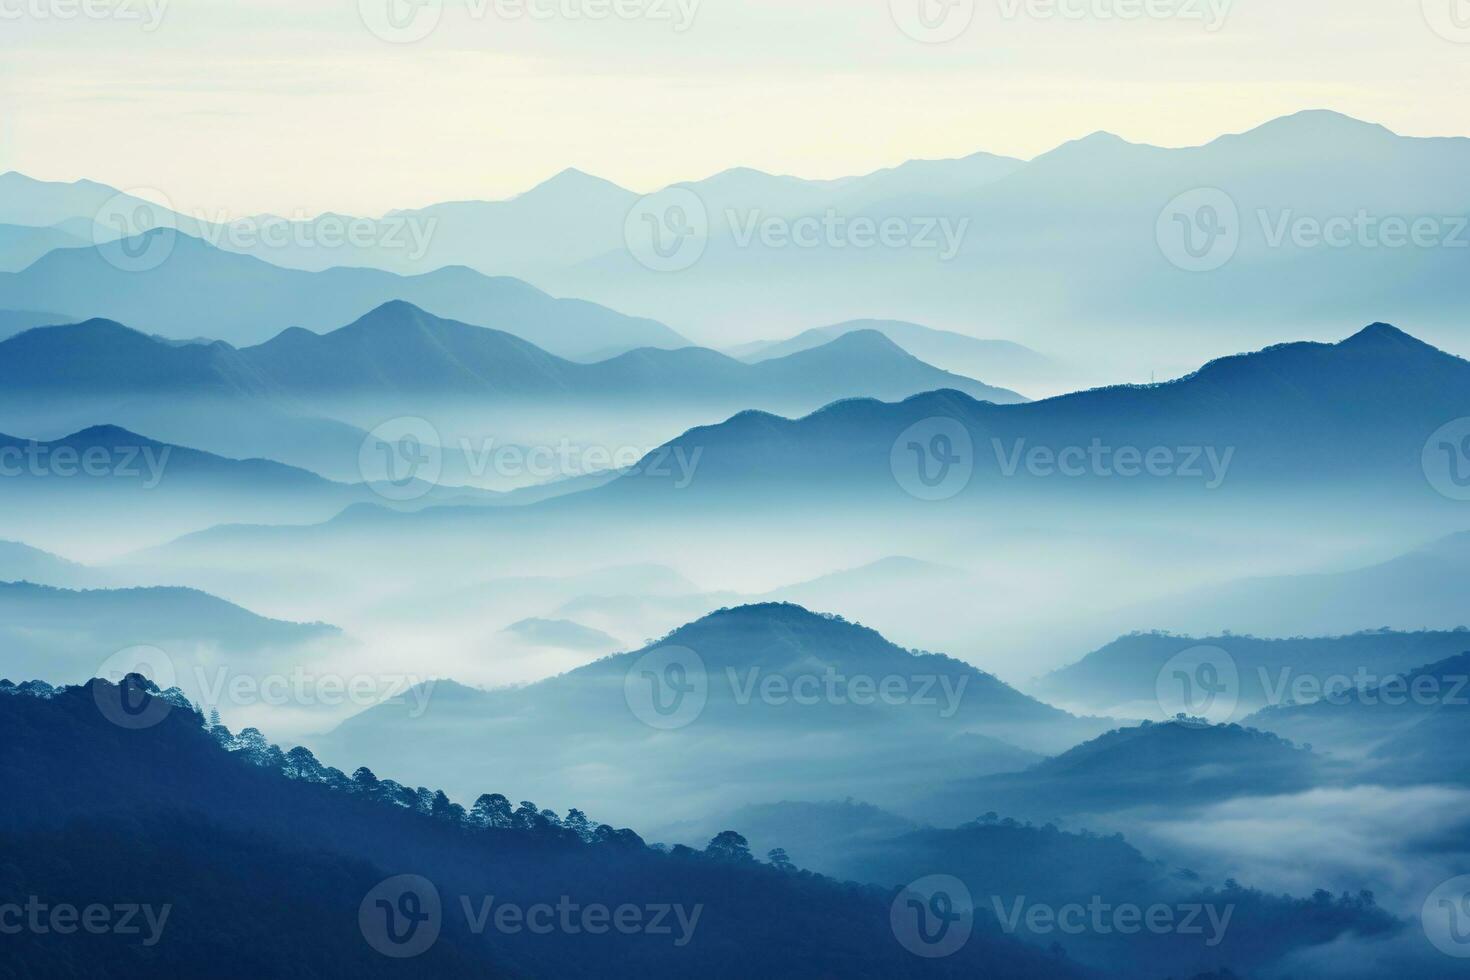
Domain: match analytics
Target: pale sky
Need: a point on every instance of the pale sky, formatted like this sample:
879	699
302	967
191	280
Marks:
295	106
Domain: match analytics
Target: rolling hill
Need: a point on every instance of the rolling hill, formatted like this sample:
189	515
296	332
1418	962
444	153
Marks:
753	731
1149	766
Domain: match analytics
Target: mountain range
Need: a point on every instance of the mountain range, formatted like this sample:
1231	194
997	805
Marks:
69	634
105	489
397	350
1394	729
309	399
594	729
1057	252
186	288
1358	412
1122	678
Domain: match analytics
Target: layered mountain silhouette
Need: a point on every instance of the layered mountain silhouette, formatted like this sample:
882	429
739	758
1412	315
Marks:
197	288
399	350
22	563
105	489
1072	250
1359	411
68	634
781	698
966	355
20	245
1394	729
13	322
1417	590
1122	678
271	861
1154	765
1044	250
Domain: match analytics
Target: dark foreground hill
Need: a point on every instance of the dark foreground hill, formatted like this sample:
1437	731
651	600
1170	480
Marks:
269	864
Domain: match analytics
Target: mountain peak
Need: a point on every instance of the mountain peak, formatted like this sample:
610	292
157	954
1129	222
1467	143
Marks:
572	180
1385	336
107	435
392	315
865	341
1306	130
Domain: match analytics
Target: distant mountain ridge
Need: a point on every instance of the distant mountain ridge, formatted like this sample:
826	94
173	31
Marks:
398	349
1126	671
1093	203
1294	413
1152	765
958	717
197	288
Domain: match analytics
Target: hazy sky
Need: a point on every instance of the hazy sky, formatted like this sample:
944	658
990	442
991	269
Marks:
296	106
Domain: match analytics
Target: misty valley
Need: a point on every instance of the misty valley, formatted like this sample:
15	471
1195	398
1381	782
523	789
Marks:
1050	565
